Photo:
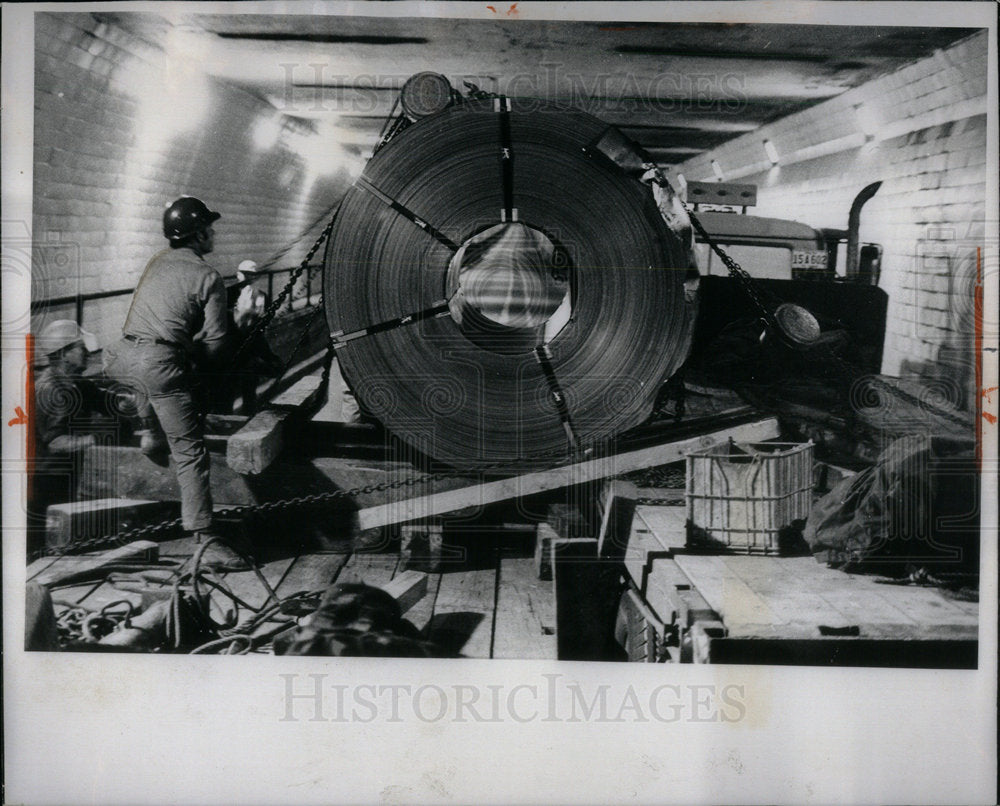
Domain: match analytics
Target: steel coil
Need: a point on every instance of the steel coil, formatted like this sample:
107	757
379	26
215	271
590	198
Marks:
470	390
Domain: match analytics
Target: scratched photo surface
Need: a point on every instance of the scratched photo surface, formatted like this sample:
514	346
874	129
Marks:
609	336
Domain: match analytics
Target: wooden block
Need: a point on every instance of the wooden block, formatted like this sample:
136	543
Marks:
618	510
544	536
407	588
257	444
586	600
75	568
421	547
84	520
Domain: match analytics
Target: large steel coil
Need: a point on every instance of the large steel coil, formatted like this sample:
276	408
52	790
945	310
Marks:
477	221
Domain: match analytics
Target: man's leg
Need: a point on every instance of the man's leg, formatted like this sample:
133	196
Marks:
182	425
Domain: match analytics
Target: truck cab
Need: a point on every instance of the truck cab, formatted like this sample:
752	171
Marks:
776	248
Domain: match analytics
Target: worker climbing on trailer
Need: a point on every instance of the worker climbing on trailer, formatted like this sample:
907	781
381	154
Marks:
177	318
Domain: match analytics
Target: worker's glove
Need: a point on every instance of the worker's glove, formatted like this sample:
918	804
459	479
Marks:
249	308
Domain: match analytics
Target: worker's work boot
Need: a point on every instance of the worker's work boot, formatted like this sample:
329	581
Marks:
219	555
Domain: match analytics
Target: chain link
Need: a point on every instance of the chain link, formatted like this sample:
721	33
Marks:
278	301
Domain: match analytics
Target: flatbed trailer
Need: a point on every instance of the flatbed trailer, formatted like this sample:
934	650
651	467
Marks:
685	606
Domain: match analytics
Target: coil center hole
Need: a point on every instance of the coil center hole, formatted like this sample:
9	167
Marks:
509	287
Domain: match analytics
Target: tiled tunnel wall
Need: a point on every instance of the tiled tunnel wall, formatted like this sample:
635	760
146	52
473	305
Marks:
922	131
120	131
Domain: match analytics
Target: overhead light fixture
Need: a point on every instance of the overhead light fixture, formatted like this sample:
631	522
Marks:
718	170
771	151
866	120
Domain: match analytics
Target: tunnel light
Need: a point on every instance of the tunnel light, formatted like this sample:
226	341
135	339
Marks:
771	151
718	170
266	132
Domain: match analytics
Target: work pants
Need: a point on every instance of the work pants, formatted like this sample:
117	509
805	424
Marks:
162	375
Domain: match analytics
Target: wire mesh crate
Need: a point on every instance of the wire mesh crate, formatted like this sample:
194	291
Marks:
745	497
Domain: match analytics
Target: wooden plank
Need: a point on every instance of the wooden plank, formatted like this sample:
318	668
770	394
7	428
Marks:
584	600
666	523
311	572
251	450
525	613
407	588
463	610
79	566
788	600
727	594
580	473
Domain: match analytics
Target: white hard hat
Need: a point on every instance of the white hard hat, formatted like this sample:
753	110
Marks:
247	267
62	333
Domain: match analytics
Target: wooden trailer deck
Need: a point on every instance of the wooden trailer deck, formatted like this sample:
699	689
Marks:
486	601
745	608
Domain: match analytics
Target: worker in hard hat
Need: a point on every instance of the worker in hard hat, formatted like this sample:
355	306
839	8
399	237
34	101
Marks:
64	415
178	318
58	394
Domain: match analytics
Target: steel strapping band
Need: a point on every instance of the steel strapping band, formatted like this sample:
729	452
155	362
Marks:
339	339
408	214
544	359
502	105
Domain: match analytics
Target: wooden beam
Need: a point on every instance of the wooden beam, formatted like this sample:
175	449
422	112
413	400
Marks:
252	449
303	392
83	520
557	478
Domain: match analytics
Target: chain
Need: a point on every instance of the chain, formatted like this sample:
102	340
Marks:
314	500
736	271
278	301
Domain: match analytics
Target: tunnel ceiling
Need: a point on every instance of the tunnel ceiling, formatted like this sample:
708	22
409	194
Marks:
677	89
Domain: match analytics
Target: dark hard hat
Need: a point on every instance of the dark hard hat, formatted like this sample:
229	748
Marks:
185	217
